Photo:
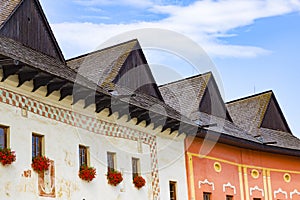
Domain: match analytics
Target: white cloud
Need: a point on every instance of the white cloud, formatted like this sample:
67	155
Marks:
133	3
206	22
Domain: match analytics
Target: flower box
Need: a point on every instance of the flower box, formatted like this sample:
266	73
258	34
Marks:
87	173
40	164
7	156
139	182
114	177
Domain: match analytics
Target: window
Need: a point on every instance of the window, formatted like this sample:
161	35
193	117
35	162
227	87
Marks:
3	137
111	161
135	167
206	196
229	197
83	156
37	145
256	198
173	188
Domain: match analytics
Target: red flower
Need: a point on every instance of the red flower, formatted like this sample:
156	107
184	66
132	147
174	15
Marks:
114	177
87	173
139	182
7	156
40	164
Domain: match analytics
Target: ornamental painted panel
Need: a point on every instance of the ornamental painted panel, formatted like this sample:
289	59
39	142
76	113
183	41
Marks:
46	182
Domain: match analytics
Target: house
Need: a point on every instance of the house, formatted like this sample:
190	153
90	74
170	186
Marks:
81	112
245	151
87	127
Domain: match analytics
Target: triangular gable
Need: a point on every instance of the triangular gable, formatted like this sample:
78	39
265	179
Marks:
274	118
27	24
249	112
123	64
135	74
195	94
212	102
185	95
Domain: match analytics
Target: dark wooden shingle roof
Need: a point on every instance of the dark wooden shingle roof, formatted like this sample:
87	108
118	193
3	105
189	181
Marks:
261	116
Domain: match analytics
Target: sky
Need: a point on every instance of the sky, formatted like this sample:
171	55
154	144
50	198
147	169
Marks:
254	44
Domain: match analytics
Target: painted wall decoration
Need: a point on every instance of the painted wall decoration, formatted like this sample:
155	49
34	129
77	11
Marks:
46	182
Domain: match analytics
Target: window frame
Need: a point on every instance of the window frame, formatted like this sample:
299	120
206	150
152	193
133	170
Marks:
6	137
136	167
41	141
229	197
111	159
173	184
206	195
86	161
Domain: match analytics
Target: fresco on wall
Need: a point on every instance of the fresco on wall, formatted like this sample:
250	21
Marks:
46	183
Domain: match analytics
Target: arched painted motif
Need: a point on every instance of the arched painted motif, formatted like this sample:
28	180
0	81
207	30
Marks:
256	188
295	192
208	183
229	186
276	192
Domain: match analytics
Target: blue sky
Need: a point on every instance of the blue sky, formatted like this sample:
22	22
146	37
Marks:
254	44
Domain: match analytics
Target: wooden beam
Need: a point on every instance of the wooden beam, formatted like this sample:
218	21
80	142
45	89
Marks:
93	98
169	124
144	116
9	62
157	121
55	85
41	80
105	103
66	90
10	70
81	94
26	74
121	107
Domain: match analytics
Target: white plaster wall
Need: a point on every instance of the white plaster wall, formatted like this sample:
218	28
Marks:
61	145
171	160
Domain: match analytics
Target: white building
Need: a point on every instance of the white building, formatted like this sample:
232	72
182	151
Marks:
48	109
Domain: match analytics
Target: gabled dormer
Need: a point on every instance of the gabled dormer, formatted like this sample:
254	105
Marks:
195	94
258	111
24	21
122	65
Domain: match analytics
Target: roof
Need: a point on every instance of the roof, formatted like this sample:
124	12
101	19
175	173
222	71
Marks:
259	110
281	139
14	10
102	66
194	94
223	126
185	95
251	114
7	8
248	112
17	51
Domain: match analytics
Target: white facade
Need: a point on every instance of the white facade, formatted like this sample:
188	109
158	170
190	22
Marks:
64	128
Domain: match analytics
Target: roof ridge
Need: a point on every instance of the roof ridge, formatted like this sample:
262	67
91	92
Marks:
249	97
188	78
104	49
